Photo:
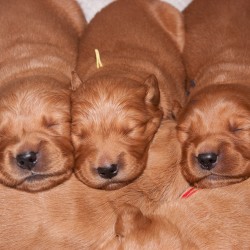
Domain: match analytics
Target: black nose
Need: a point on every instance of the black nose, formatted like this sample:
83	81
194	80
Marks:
207	161
27	160
108	172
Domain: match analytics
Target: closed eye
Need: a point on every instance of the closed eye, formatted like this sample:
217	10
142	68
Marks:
49	123
241	128
140	128
235	128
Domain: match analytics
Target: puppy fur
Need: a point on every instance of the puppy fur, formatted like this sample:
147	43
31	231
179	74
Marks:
75	216
214	127
117	108
208	219
38	52
136	231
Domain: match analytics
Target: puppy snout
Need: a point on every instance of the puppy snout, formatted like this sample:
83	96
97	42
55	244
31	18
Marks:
207	161
108	172
27	160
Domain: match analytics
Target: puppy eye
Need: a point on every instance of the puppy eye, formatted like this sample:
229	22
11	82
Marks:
140	128
51	124
235	128
48	123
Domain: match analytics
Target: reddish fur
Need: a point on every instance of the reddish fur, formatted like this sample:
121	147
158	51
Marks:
209	219
116	109
217	116
74	216
38	54
137	231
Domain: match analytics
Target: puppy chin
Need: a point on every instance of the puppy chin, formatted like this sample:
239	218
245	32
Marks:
99	183
215	181
40	182
112	185
35	182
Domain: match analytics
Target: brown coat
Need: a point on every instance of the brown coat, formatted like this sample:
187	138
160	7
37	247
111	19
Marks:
39	42
214	125
117	108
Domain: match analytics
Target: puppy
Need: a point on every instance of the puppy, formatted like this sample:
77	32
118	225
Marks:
75	216
129	77
214	127
38	52
202	219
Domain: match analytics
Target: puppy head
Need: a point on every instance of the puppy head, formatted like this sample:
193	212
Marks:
215	131
137	231
113	122
35	149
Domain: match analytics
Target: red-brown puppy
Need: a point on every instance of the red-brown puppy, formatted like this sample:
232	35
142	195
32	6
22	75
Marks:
202	219
130	72
214	127
39	41
75	216
188	218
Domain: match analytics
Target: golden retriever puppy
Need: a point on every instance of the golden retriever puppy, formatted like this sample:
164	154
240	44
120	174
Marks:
39	41
75	216
214	127
129	73
203	219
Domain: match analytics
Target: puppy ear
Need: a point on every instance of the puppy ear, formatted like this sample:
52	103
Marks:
130	219
153	92
75	81
172	22
176	109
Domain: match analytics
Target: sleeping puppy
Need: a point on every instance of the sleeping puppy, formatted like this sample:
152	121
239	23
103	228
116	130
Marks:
75	216
203	219
130	72
38	52
214	127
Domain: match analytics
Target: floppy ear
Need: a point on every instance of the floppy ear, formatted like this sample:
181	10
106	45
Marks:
153	92
172	21
130	219
75	81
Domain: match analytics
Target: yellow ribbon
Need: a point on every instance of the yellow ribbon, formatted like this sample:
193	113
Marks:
98	59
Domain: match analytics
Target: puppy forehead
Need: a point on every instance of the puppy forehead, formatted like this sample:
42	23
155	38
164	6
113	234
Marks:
213	112
109	99
28	107
111	117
